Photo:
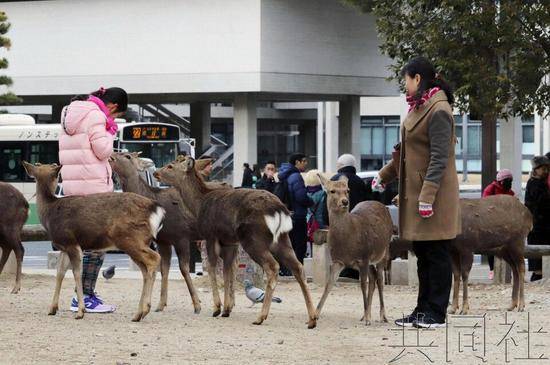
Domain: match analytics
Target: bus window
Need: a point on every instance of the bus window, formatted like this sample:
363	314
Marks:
161	153
10	162
44	152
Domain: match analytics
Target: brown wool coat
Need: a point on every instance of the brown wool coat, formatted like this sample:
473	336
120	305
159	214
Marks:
427	173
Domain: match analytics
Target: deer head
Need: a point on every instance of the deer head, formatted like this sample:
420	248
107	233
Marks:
124	163
44	174
172	173
337	193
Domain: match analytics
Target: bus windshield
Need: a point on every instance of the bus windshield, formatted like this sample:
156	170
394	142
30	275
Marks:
161	153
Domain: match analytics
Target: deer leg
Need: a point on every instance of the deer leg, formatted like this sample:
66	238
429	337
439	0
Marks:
509	258
62	267
370	294
335	270
271	268
6	250
75	256
364	276
285	254
466	266
182	250
19	251
387	272
165	252
521	281
229	254
380	283
455	260
212	263
151	261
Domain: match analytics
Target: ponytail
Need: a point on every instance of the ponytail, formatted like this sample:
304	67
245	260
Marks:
440	82
114	95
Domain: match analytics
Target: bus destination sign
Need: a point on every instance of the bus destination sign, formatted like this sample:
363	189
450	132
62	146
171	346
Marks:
150	132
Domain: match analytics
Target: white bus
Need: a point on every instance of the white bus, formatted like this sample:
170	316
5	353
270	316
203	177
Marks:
23	140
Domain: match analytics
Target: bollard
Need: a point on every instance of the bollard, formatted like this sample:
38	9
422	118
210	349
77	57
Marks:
400	272
11	264
53	259
546	267
248	269
503	272
321	258
412	268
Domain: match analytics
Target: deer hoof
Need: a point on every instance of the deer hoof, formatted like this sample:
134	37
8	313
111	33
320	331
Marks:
137	317
511	308
521	307
226	313
197	310
79	315
53	311
312	323
453	310
258	322
384	319
216	313
15	290
367	323
160	308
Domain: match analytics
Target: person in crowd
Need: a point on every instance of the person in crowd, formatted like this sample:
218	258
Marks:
291	174
537	199
85	145
316	213
429	210
267	181
248	180
502	185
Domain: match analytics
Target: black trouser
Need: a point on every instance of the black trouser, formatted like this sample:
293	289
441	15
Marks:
491	260
298	237
434	278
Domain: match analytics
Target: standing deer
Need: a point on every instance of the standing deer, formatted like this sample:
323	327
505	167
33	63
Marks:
359	239
496	225
256	219
126	221
178	226
15	211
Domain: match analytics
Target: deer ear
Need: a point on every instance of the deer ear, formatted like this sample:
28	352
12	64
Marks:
202	163
29	168
189	163
181	158
135	154
324	181
57	168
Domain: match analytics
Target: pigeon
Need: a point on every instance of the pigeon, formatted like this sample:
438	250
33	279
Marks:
109	272
256	295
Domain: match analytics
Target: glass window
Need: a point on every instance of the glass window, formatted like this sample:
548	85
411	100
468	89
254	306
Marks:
11	156
366	140
393	120
44	152
392	137
528	134
373	120
161	153
474	140
378	141
458	146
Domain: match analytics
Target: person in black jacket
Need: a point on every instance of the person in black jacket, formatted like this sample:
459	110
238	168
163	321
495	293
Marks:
248	180
267	181
537	199
291	173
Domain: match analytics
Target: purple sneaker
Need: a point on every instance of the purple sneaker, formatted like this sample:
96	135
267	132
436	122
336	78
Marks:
92	304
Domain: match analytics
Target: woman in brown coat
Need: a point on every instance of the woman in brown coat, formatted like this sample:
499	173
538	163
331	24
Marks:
429	211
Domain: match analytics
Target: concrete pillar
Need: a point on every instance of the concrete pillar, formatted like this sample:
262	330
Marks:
503	272
538	135
200	125
331	136
465	118
546	134
546	267
349	128
510	157
245	136
413	268
321	136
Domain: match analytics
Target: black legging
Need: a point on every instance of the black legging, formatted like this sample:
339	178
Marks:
434	278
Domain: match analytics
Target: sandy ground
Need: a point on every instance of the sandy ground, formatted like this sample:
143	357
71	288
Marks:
28	335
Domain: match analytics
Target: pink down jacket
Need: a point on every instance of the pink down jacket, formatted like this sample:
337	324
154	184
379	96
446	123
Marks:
84	149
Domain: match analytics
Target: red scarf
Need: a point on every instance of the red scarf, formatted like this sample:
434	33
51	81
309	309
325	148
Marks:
416	103
111	125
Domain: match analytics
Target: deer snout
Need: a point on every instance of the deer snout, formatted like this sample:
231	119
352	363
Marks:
156	175
345	202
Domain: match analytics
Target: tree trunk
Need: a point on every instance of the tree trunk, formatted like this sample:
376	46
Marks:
488	149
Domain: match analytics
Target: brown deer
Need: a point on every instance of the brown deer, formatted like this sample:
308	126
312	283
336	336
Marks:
359	239
15	211
496	225
256	219
126	221
178	228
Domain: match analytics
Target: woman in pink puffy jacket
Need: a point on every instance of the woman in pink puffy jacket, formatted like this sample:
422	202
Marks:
88	129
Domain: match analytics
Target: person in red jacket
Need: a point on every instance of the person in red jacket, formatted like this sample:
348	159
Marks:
502	185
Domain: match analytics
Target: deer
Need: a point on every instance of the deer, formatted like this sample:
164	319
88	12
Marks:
15	211
496	225
178	228
359	239
255	219
125	221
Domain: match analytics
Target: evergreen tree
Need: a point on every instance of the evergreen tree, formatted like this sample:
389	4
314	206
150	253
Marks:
8	98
